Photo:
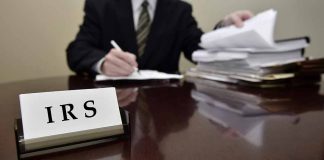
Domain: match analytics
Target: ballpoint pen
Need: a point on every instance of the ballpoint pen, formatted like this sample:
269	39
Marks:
116	46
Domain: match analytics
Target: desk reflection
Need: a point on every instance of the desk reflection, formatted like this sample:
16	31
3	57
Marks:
248	113
154	121
126	96
154	114
171	120
207	120
234	125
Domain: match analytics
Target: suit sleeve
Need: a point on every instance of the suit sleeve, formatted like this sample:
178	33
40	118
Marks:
191	33
84	52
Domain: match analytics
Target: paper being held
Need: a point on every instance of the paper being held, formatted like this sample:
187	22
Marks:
257	32
141	75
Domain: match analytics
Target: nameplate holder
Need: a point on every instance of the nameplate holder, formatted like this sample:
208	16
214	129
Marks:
66	117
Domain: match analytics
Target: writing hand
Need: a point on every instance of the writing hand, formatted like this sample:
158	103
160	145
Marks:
119	63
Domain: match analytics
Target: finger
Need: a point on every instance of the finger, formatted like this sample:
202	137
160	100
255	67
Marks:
121	56
126	56
237	21
111	69
133	61
117	71
119	64
245	15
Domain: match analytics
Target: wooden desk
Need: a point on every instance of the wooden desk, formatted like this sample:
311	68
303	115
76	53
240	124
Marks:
167	124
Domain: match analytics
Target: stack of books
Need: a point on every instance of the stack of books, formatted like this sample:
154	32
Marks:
250	56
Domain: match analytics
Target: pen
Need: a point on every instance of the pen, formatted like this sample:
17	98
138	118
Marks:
116	46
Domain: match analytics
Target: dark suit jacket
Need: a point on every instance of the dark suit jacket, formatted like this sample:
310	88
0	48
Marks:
173	30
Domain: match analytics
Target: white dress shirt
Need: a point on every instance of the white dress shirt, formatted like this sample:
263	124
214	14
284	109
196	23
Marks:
137	9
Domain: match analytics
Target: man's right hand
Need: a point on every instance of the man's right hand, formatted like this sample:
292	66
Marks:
119	63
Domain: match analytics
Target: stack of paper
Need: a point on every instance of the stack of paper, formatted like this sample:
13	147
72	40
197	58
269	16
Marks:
249	55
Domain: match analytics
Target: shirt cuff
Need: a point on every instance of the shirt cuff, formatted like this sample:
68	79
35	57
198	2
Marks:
97	66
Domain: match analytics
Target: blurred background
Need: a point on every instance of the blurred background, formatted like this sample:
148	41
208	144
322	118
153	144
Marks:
35	33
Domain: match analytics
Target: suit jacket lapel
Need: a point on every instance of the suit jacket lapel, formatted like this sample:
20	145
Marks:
125	19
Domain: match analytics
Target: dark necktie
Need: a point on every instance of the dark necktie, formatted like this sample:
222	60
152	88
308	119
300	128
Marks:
143	28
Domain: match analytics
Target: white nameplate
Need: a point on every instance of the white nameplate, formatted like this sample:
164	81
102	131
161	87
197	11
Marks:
66	116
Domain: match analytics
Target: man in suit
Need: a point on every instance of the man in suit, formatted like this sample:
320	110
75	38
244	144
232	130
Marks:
152	34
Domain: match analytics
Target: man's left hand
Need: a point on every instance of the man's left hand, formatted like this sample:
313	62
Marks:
237	18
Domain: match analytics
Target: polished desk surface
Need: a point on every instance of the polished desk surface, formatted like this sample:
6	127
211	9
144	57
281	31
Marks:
167	124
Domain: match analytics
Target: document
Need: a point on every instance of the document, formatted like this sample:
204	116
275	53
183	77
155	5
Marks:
141	75
256	33
255	36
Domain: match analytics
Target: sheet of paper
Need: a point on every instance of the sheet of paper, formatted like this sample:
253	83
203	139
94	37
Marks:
256	33
207	56
279	47
141	75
